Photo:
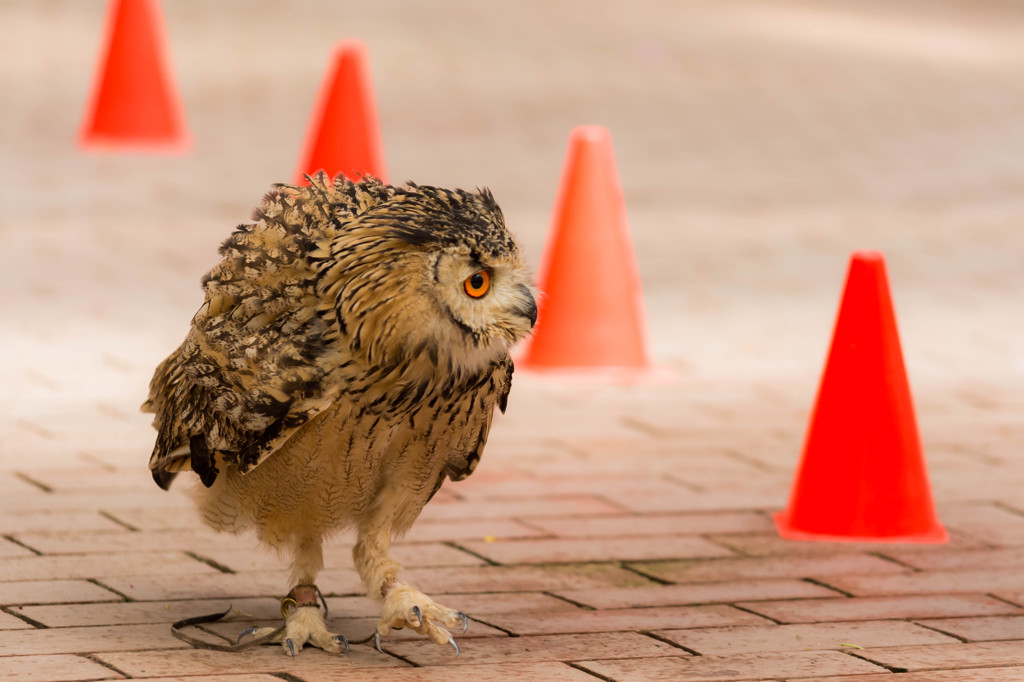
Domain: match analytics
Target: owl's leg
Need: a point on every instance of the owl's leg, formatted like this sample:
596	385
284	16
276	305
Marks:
404	606
304	622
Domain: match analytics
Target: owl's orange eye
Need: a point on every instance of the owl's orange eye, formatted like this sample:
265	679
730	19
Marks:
478	284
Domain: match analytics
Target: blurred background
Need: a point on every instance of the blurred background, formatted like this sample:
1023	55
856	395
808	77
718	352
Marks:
758	144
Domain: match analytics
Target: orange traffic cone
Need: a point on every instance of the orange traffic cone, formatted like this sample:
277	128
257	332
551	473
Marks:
134	103
591	306
344	134
863	477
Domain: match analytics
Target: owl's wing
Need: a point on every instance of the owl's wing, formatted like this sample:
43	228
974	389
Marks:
236	389
477	408
257	363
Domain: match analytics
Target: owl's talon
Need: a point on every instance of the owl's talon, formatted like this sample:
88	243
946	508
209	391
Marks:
291	646
465	621
419	616
247	631
376	641
342	639
451	640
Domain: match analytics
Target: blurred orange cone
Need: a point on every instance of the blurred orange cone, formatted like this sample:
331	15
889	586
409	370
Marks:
862	477
344	133
134	103
591	306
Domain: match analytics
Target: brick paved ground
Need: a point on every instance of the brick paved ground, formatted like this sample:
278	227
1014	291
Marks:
612	533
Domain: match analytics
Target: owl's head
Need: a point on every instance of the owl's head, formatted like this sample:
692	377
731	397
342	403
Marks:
433	275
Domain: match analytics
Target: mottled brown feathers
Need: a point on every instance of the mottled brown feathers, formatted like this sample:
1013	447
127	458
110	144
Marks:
327	297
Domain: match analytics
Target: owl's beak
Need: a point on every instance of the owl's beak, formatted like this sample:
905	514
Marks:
527	305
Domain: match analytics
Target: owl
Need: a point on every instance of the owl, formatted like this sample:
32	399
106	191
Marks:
348	357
